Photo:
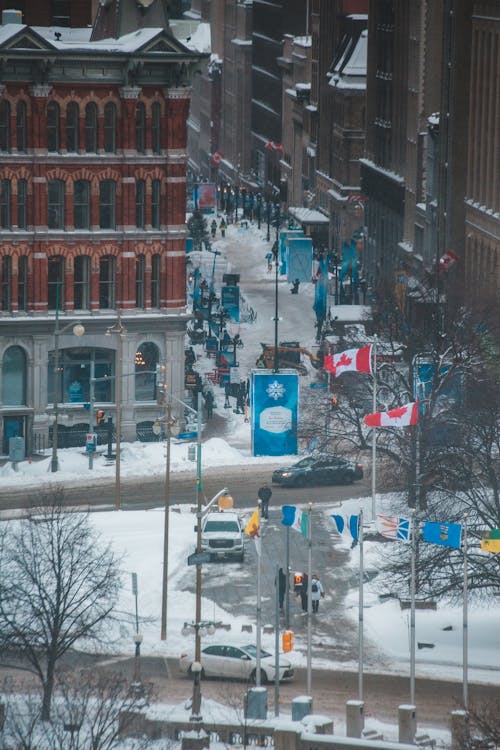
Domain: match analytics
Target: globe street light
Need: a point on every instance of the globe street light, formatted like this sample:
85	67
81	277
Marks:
78	330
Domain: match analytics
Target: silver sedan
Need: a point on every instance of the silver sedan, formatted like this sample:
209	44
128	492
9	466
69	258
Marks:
236	662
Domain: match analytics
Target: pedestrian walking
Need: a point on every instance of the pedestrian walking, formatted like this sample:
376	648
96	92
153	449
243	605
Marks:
317	592
303	592
209	403
281	588
264	494
213	227
223	227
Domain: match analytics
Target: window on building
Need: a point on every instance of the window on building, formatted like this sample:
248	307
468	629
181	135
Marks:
55	283
107	271
140	268
14	377
110	128
81	204
146	359
156	128
53	126
22	283
56	190
81	282
156	204
21	126
140	127
91	128
155	281
22	204
72	127
5	196
60	13
6	268
74	375
4	126
107	204
140	203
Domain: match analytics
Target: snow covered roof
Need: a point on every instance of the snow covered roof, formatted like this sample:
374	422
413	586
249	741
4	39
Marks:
350	71
307	215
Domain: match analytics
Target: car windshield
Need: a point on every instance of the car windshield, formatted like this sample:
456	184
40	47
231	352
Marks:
304	463
230	526
252	651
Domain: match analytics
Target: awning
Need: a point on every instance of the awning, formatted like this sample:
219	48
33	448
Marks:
307	215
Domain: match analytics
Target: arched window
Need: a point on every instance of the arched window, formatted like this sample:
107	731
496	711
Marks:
107	271
155	280
91	127
55	283
140	127
110	128
22	204
52	126
21	143
156	204
4	126
5	197
72	127
140	204
146	359
14	377
81	282
6	281
140	269
156	128
56	190
107	204
81	204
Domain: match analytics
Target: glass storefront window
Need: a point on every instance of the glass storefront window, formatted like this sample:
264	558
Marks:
75	375
146	359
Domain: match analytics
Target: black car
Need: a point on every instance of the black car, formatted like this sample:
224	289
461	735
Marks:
320	469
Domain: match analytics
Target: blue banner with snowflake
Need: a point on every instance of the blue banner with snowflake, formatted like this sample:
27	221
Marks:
275	406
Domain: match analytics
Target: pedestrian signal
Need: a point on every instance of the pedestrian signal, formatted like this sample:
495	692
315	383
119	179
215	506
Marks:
297	582
287	640
100	416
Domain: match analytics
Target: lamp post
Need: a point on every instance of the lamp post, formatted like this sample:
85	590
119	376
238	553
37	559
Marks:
120	330
276	264
78	330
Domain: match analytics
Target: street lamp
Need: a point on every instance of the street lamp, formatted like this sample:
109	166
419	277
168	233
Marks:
120	330
78	330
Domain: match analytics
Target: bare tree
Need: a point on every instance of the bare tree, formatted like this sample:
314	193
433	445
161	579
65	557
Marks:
59	584
483	727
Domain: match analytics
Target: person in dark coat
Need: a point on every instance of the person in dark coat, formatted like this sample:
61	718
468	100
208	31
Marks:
281	587
209	402
303	592
264	494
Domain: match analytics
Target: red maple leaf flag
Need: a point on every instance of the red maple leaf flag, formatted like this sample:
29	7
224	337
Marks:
403	416
356	360
448	258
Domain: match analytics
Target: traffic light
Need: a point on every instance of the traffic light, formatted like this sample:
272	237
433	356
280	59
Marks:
287	640
100	416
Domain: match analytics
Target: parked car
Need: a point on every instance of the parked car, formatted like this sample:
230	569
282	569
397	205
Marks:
318	469
222	535
237	662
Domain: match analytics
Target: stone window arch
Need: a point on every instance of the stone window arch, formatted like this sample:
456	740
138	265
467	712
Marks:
147	357
14	377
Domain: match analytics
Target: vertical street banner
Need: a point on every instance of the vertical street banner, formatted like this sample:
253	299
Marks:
299	259
275	405
207	197
230	299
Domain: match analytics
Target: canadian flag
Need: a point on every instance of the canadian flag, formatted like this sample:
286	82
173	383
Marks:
448	258
357	360
401	417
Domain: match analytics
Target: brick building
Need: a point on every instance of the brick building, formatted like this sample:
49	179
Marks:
92	224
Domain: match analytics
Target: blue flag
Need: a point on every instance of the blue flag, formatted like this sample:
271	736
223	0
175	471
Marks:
343	524
444	534
296	518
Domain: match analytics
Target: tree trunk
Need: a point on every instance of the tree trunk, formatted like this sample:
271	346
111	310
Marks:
48	689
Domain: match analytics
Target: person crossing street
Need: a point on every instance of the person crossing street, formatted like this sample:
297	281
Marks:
264	494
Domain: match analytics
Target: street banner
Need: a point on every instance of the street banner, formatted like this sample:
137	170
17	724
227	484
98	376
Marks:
285	235
299	259
275	403
206	197
230	299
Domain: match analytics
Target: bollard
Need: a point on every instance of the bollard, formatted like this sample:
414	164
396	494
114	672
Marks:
256	703
301	707
459	725
355	718
407	724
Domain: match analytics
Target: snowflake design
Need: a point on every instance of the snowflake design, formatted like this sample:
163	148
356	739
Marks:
275	390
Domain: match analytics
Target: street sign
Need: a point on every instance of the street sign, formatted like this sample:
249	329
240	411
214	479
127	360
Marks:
317	385
198	558
187	435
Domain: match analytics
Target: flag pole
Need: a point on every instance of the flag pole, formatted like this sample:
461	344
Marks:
412	610
360	608
277	641
259	597
465	635
309	599
287	584
374	431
